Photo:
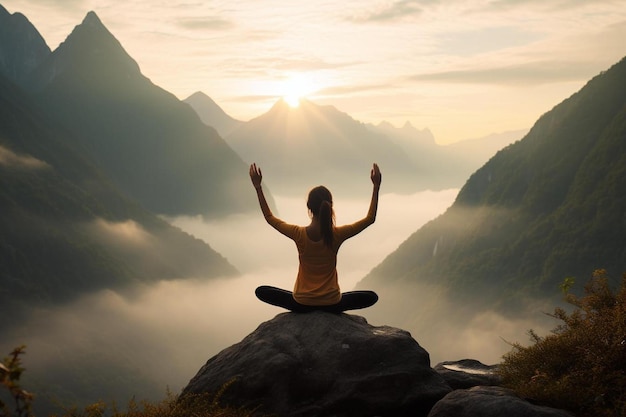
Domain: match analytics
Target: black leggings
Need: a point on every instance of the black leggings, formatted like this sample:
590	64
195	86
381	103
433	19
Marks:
351	300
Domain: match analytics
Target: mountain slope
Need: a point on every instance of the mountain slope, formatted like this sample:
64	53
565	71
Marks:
66	231
151	145
547	207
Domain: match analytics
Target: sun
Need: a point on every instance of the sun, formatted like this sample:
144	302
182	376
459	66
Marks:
296	87
292	100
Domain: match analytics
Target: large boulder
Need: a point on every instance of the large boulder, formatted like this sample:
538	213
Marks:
468	373
490	402
323	364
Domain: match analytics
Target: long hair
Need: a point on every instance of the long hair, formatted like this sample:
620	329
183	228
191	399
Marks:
320	202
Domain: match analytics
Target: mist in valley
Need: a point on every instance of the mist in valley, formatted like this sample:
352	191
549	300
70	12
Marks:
154	337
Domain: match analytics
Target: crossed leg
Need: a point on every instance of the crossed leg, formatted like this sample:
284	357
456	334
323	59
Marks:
351	300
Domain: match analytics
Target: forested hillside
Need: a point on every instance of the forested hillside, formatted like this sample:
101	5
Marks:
65	230
548	207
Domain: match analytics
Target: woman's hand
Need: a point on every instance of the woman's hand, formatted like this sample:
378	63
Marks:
376	176
256	176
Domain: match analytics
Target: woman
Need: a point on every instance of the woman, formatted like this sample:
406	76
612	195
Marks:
317	286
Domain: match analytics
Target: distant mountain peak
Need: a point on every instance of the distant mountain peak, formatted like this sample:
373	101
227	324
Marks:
92	19
211	113
92	26
90	53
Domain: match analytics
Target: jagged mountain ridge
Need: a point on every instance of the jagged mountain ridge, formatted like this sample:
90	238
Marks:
22	48
313	136
66	231
294	145
152	145
545	208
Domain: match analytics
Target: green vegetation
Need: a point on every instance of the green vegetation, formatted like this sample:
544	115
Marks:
580	367
58	215
201	405
10	372
548	206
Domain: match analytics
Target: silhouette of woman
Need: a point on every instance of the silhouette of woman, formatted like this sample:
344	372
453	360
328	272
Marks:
317	286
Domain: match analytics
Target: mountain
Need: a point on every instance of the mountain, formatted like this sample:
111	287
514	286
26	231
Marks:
211	114
153	146
312	145
22	48
445	166
66	231
547	207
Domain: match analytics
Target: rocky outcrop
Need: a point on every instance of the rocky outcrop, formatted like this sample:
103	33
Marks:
322	364
337	365
467	373
490	402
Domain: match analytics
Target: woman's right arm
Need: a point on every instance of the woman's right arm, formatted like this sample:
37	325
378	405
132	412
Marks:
256	176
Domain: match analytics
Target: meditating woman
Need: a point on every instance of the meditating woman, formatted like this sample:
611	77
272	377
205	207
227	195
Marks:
317	286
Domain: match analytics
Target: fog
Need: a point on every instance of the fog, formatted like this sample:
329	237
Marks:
159	336
11	159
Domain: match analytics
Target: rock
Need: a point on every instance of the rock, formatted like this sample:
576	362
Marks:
323	364
490	402
467	373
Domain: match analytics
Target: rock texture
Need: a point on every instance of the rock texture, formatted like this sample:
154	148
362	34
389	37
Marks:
490	402
467	373
322	364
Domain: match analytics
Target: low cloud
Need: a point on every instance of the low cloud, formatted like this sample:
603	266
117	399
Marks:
12	160
126	233
113	346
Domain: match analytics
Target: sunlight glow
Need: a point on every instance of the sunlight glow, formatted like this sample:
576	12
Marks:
296	87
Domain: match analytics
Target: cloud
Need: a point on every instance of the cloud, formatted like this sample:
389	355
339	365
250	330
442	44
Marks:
557	6
398	10
487	39
117	234
531	73
205	23
351	89
10	159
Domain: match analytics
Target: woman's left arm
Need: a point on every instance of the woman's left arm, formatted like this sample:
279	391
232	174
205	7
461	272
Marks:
355	228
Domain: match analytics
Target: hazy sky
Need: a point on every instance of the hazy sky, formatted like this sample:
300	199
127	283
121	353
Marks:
463	68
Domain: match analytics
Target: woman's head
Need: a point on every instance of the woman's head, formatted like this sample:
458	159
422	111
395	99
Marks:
320	203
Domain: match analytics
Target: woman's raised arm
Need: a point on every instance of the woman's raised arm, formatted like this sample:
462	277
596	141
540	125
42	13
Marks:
256	176
376	178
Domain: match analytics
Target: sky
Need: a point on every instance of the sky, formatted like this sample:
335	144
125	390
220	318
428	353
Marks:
461	68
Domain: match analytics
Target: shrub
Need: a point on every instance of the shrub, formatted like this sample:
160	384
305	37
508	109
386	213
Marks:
580	366
10	372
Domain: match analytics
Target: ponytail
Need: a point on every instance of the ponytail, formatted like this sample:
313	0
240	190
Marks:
320	202
327	220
